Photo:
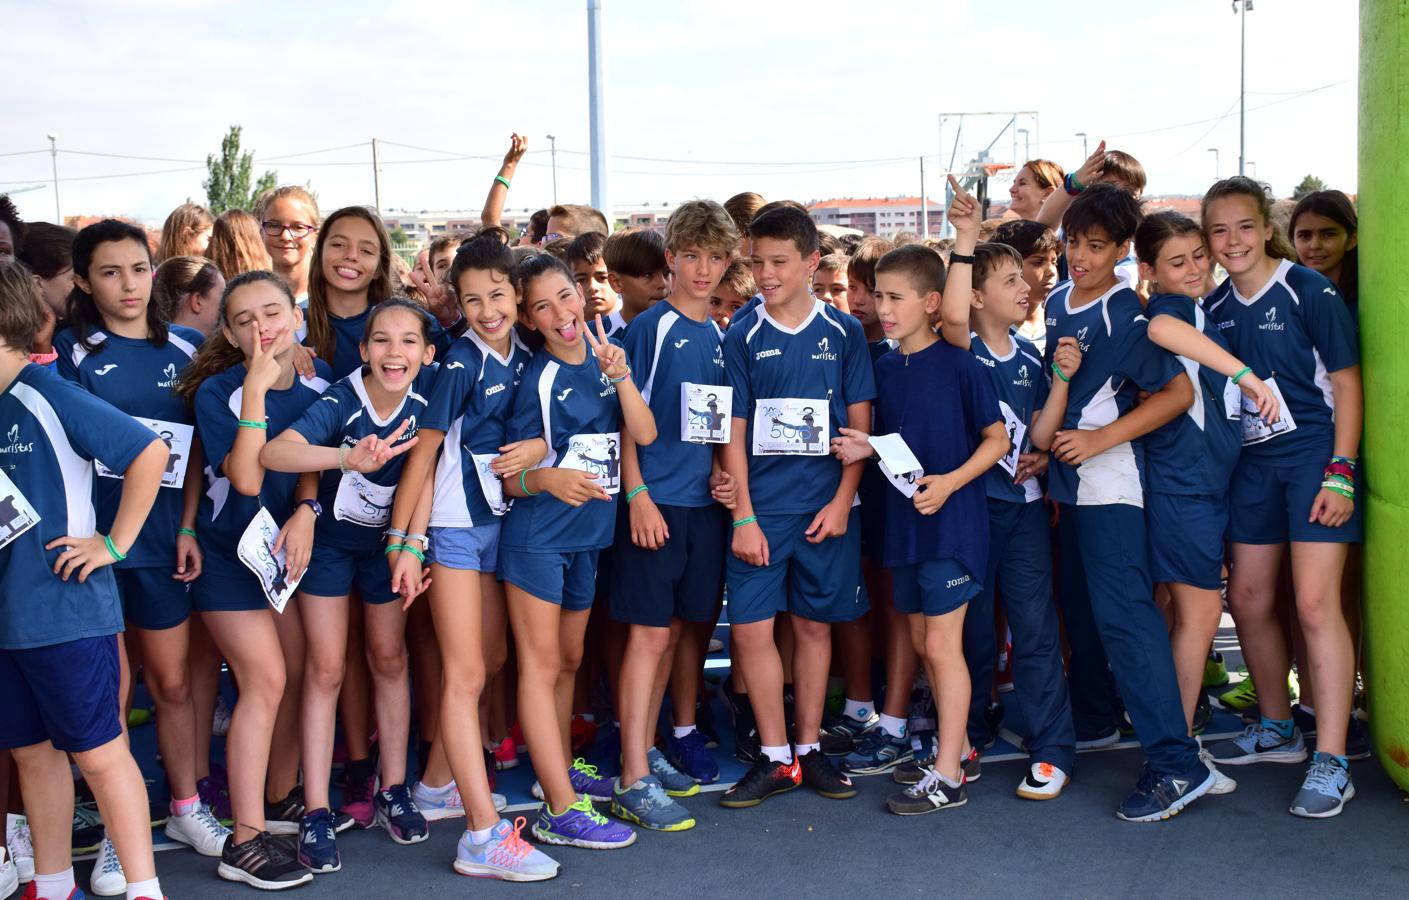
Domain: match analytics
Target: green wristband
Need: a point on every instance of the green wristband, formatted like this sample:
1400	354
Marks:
187	531
502	180
248	423
1238	375
747	521
392	548
523	484
1060	374
634	491
112	551
414	552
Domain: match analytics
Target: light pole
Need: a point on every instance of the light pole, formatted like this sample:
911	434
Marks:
553	145
1027	144
597	109
1084	153
1216	167
1241	11
1252	165
54	161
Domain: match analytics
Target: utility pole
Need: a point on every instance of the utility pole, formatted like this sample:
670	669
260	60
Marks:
553	144
1241	11
54	161
597	110
1084	152
1216	167
376	179
924	204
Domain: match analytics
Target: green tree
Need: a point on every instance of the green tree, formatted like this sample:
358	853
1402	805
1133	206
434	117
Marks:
1309	184
399	237
228	185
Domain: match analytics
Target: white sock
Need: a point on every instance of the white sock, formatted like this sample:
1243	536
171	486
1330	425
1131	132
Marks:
893	725
804	749
443	789
858	710
54	887
149	888
682	731
944	779
783	754
479	837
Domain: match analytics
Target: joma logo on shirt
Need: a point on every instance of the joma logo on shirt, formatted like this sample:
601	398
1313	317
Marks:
766	353
491	391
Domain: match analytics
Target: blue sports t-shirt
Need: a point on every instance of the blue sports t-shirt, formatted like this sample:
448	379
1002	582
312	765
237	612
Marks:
1195	453
1294	332
938	400
824	359
224	512
52	431
1117	359
666	349
357	506
137	378
471	401
348	334
1020	381
614	324
563	403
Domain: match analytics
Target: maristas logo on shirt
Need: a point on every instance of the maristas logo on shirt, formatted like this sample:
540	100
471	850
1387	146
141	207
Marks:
169	373
15	445
1272	324
1081	338
824	351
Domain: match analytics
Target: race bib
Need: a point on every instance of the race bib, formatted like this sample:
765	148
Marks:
705	413
17	515
256	551
1232	401
898	462
790	426
489	483
361	502
599	455
1255	429
178	442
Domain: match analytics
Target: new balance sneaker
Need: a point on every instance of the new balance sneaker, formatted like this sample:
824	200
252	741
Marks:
87	829
691	755
262	862
1098	739
927	795
1258	744
108	879
506	856
1222	784
397	813
506	756
199	830
1044	781
586	781
357	794
21	846
675	782
877	751
284	816
649	805
9	875
765	779
318	842
438	803
1215	672
1158	797
1239	697
580	825
840	737
1325	791
819	774
216	797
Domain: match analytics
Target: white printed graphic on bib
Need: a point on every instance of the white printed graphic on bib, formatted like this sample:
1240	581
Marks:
898	462
789	426
705	413
1232	401
1255	430
599	455
1017	433
256	551
178	442
361	502
16	514
489	483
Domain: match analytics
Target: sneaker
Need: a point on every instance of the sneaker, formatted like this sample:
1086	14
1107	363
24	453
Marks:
87	829
1357	740
819	774
357	795
1215	672
21	845
715	645
262	862
1305	720
928	795
506	757
1257	744
138	716
1325	791
1240	696
1098	740
439	803
675	782
690	754
972	765
506	856
1003	677
1158	797
749	748
649	805
580	825
284	816
216	798
108	879
876	752
765	779
1222	784
199	830
1203	712
220	722
9	875
397	813
1044	781
318	842
585	780
840	737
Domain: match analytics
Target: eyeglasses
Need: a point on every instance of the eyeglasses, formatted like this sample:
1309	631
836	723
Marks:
296	230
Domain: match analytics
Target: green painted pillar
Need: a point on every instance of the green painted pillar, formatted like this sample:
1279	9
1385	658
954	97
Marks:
1384	320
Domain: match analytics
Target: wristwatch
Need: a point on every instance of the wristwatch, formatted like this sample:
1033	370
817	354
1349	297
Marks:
313	505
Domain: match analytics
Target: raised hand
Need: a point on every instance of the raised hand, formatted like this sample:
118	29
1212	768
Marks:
1091	169
965	214
262	370
518	146
372	453
1067	356
610	357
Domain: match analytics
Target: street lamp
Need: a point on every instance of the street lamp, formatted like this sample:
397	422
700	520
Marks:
1241	8
1214	151
1082	135
553	149
54	161
1252	165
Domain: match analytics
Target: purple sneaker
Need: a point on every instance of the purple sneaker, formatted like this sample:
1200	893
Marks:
580	825
397	813
357	797
585	780
215	797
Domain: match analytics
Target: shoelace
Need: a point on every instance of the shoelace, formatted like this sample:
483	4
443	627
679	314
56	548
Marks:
928	784
1044	770
510	851
584	806
110	864
1322	778
582	766
21	844
207	820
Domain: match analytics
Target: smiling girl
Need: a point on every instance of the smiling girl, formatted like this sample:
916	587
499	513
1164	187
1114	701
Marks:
1324	230
288	219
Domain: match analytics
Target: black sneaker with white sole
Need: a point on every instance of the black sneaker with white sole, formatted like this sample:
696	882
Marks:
262	862
284	816
929	795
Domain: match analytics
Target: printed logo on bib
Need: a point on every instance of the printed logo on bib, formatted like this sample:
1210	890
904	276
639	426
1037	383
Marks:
599	455
361	502
1017	433
706	413
898	463
177	438
489	483
789	426
16	514
256	551
1255	428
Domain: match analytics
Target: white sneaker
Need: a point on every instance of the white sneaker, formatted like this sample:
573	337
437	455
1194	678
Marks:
1044	781
501	802
1222	784
440	803
200	830
108	879
9	875
21	846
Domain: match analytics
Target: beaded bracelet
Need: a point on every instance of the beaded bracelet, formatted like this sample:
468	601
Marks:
742	522
523	484
250	423
622	378
634	491
112	550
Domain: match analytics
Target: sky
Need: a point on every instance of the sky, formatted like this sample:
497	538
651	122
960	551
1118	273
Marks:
702	99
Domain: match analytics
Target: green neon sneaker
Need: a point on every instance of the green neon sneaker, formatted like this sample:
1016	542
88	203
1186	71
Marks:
1215	672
